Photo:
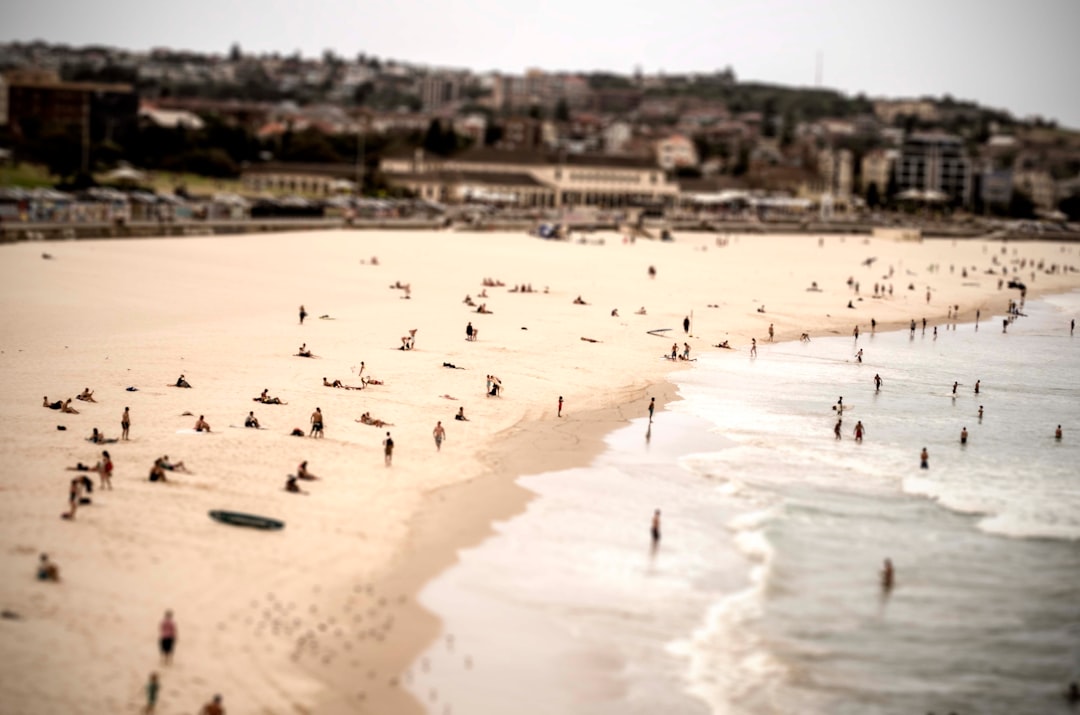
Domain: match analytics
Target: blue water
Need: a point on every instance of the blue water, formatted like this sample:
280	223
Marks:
764	594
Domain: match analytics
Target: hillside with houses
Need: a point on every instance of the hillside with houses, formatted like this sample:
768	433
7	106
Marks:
264	126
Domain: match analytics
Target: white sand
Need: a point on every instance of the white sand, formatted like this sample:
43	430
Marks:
223	311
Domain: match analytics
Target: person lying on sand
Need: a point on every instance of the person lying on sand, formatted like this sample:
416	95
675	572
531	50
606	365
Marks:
370	381
483	309
640	311
267	400
302	471
51	405
181	382
68	408
723	345
339	383
86	395
98	438
303	351
579	301
201	425
468	301
367	419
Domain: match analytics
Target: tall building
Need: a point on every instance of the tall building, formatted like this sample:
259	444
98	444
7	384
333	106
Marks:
436	91
38	101
937	163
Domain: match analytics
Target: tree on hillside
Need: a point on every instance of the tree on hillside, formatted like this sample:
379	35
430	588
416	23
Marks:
873	196
562	111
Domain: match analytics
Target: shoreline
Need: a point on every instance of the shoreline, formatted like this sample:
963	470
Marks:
461	516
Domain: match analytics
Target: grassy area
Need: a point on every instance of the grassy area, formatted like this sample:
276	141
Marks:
26	176
165	182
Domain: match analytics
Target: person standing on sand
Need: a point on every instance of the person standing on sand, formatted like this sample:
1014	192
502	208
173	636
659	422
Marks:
924	459
167	637
104	469
388	449
316	423
656	528
652	407
439	434
303	314
686	325
152	687
125	424
469	331
887	576
963	436
770	332
560	405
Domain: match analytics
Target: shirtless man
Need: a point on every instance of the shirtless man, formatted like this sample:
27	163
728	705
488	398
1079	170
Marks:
86	395
439	433
202	425
251	420
302	471
858	431
877	383
68	408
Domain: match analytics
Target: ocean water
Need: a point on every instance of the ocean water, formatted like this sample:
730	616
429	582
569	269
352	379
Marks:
764	594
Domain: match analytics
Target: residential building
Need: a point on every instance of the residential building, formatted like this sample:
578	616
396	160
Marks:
876	167
996	186
836	167
887	110
676	152
438	90
1039	186
39	101
934	162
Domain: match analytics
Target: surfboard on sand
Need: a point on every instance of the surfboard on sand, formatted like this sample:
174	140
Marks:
192	431
237	518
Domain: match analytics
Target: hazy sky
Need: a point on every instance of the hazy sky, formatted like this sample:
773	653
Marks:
1017	55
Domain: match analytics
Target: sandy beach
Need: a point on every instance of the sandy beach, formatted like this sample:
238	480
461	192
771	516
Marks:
320	616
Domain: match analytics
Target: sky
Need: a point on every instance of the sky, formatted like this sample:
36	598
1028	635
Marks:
1008	54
